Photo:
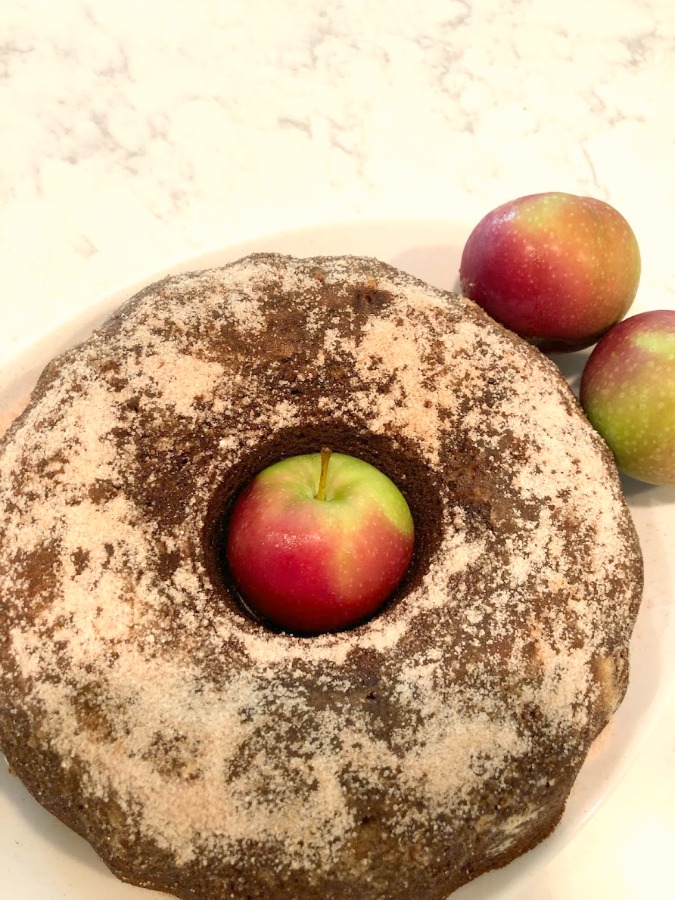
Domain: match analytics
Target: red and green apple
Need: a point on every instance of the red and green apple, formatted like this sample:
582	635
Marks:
556	268
318	542
628	393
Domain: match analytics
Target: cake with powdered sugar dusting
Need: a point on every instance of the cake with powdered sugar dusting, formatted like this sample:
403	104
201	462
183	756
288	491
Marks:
205	755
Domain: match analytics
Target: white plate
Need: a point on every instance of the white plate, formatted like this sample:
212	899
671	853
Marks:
40	859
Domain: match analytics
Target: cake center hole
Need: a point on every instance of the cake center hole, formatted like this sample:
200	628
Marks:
398	526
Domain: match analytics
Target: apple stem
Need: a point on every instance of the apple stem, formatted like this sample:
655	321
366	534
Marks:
325	457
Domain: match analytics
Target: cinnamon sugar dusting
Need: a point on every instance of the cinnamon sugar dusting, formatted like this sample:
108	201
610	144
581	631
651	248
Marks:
217	738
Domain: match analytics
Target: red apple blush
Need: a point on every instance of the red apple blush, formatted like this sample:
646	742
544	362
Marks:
318	542
557	269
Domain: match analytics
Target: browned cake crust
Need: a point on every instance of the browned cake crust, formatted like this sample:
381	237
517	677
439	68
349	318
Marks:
207	756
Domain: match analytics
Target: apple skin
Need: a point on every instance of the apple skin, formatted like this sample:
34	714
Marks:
311	566
557	269
628	392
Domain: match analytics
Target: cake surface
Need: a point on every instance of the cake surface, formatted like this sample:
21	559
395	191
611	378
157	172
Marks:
203	754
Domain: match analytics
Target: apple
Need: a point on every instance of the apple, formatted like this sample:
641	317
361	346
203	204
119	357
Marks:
557	269
318	542
628	392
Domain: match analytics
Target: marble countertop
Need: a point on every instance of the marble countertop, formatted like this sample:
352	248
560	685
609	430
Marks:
137	135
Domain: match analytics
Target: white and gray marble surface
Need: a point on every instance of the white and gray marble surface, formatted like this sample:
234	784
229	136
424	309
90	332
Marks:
139	133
